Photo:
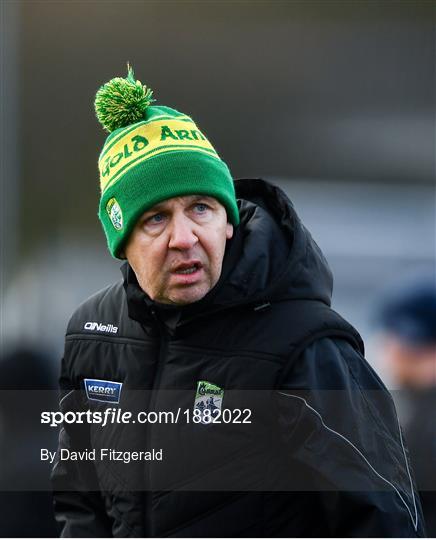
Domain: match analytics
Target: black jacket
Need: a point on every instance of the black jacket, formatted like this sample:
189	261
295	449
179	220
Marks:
323	455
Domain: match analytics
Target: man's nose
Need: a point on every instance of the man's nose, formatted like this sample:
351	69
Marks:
182	235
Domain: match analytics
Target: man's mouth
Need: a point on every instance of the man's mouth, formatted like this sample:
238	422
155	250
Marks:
187	268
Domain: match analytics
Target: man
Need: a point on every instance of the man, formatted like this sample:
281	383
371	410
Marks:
407	317
222	318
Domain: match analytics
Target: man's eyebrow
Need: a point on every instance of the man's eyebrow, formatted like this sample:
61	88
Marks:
203	197
156	208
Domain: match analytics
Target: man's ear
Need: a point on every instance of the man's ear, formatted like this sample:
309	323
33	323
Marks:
229	231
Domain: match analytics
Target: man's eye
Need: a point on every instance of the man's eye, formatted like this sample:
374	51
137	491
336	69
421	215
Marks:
201	207
154	220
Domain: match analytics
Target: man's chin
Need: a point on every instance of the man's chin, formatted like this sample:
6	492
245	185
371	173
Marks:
188	295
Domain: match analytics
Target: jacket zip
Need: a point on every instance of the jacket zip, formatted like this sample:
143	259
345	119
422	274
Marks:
148	523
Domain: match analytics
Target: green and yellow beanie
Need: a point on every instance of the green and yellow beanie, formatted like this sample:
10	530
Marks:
152	153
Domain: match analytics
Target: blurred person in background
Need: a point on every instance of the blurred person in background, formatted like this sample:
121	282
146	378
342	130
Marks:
27	385
407	316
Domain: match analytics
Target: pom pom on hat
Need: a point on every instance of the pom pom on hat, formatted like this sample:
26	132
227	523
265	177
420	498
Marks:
121	102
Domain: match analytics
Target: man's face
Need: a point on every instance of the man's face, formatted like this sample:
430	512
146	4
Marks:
177	247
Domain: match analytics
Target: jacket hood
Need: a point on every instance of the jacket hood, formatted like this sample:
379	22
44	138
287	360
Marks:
278	258
272	257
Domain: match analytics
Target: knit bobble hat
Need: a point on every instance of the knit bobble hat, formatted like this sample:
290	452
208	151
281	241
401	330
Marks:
152	153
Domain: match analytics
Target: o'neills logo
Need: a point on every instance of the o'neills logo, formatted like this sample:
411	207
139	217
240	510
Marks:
98	327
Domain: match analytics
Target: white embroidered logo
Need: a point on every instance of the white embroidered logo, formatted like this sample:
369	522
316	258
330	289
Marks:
99	327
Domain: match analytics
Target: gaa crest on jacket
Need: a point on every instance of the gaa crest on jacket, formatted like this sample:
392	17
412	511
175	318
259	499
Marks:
208	401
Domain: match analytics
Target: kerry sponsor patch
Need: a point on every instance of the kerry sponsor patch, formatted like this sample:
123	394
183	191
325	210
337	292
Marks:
99	390
208	400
